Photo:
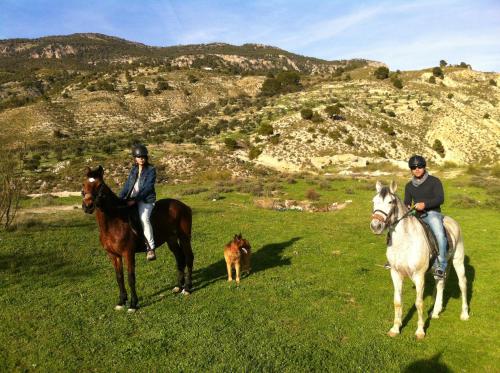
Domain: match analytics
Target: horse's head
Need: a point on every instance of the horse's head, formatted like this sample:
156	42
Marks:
384	205
92	188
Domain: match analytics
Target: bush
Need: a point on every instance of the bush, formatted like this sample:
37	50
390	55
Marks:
350	140
450	95
486	116
141	89
443	63
381	73
254	152
312	195
230	143
432	80
316	118
397	83
437	72
306	113
265	129
493	82
192	79
270	87
332	110
438	148
163	86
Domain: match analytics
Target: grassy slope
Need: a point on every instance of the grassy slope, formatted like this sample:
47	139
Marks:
316	300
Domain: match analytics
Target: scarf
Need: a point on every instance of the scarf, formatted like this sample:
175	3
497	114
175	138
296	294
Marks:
417	182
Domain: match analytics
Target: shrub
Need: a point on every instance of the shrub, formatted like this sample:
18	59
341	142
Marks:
270	87
493	82
192	79
437	72
274	139
438	148
381	73
432	80
254	152
316	118
391	114
265	129
306	113
163	86
312	195
141	89
230	143
486	116
450	95
443	63
350	140
397	83
332	110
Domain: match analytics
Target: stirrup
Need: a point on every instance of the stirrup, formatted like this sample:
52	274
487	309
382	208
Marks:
387	265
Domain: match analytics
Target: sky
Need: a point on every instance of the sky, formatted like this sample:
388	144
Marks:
406	35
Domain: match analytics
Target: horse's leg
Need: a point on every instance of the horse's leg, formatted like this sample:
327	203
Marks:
173	245
419	281
458	263
130	257
185	243
438	304
118	264
397	281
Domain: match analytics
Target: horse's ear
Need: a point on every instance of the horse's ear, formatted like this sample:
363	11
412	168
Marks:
100	171
87	171
393	187
378	186
239	236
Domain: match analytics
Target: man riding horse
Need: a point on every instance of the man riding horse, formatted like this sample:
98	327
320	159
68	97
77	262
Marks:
426	193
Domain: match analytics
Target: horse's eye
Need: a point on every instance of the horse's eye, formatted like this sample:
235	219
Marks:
83	193
391	202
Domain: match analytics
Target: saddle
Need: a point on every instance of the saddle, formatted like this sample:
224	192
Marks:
136	226
431	239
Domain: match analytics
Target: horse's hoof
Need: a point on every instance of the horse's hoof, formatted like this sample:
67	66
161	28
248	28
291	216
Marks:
185	292
132	310
119	308
392	334
435	315
464	316
420	336
176	290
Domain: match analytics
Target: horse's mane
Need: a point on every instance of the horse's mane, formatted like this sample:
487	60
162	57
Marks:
113	204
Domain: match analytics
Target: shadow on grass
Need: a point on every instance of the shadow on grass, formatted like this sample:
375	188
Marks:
428	365
29	267
269	256
451	290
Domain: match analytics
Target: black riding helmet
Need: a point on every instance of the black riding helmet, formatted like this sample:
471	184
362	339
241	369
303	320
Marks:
139	150
417	161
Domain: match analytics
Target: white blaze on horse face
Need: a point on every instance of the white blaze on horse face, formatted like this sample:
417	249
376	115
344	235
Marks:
91	179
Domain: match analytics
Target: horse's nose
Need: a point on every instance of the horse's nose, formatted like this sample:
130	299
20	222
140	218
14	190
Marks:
375	226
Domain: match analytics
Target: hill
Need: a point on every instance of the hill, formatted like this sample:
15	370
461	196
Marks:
68	101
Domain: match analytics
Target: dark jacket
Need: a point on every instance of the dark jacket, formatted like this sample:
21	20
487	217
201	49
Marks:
147	191
430	192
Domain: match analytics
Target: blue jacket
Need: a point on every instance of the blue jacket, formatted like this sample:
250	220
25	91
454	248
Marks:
147	191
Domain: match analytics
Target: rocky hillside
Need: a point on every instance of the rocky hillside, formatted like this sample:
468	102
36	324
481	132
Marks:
217	109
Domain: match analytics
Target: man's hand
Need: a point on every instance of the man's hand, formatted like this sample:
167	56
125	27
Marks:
420	206
130	202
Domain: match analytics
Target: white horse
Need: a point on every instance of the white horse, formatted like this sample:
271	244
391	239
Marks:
408	252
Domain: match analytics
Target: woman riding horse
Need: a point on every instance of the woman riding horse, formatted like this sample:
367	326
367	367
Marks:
171	221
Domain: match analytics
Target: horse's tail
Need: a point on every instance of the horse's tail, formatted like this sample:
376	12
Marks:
186	221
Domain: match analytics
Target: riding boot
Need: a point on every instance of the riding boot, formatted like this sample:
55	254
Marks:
150	252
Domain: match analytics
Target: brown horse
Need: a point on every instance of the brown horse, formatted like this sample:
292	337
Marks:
171	221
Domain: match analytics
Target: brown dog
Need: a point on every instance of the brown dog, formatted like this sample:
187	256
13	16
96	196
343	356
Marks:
237	253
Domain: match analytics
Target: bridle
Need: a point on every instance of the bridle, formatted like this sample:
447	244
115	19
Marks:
96	195
385	218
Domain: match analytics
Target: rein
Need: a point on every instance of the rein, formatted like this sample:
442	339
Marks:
387	216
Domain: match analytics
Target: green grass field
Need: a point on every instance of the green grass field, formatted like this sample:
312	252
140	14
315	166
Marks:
317	299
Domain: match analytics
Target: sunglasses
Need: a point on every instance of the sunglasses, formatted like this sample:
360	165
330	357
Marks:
415	167
141	157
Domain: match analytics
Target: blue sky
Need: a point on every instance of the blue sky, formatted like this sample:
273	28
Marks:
404	34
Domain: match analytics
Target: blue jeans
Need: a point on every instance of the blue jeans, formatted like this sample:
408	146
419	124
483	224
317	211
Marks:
435	220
